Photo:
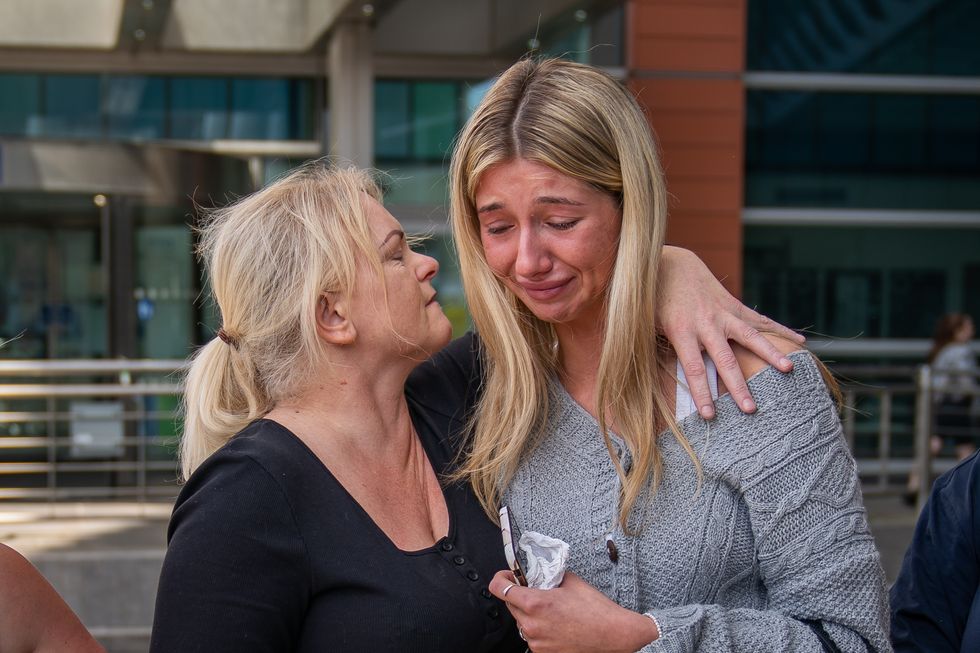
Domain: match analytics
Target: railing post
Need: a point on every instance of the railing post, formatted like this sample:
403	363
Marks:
52	451
923	431
884	435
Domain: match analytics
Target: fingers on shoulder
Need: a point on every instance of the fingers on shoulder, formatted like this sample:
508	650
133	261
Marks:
751	363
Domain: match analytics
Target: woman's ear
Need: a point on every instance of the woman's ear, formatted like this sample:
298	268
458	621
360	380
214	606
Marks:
333	322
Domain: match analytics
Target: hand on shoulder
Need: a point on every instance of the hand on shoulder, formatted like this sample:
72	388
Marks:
751	363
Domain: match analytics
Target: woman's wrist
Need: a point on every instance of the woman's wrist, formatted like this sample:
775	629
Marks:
643	630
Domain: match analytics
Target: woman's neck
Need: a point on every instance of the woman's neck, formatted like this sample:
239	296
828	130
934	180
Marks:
347	412
579	352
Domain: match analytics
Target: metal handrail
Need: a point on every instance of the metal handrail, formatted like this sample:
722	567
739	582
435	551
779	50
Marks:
88	367
883	387
887	420
69	437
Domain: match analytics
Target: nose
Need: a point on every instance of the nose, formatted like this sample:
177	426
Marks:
426	268
532	257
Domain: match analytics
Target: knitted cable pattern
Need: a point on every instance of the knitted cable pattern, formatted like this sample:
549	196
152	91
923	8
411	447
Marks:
775	536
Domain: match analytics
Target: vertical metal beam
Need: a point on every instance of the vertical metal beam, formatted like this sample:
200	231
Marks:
923	424
351	93
119	261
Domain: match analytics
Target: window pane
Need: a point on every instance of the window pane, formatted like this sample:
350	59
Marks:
71	106
303	109
198	107
135	107
435	118
869	282
21	104
909	38
260	109
923	289
858	150
392	128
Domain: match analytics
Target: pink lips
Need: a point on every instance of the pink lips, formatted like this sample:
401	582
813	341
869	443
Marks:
543	291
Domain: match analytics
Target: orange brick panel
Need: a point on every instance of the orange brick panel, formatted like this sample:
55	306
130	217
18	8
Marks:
694	229
689	18
709	161
688	53
705	194
697	129
687	36
659	94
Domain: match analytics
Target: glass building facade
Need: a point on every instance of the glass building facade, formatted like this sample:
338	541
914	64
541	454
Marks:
872	134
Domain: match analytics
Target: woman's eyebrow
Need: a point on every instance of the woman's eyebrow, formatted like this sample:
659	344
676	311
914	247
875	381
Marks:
544	199
492	206
552	199
394	233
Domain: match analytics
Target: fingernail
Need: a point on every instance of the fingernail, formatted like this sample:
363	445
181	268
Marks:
707	412
785	363
748	406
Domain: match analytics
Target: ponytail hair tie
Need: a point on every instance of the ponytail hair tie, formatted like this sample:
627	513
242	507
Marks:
225	338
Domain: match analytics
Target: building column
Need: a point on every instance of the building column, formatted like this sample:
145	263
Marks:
350	95
118	243
685	63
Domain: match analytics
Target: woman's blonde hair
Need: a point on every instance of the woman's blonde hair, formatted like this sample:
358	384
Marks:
580	122
269	258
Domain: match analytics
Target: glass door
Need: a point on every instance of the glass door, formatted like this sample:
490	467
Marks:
52	287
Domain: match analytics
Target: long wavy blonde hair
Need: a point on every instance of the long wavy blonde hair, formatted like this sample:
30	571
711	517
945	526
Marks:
269	258
580	122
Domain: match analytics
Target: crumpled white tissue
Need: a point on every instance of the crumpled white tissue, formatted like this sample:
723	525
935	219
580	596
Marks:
546	559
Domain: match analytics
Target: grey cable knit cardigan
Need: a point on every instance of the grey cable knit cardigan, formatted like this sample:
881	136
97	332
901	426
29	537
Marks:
771	553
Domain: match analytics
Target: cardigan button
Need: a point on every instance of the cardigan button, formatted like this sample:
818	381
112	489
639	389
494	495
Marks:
612	550
485	593
446	546
459	560
472	575
493	612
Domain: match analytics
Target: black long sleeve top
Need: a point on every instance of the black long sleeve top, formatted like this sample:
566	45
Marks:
268	552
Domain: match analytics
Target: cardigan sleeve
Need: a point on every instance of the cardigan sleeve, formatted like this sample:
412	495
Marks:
815	555
236	576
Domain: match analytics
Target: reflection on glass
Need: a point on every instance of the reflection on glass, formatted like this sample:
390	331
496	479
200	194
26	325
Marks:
21	103
870	282
862	150
929	37
135	107
52	296
71	106
198	107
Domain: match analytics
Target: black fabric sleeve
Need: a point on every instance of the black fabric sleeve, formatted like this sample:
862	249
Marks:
937	585
236	576
450	382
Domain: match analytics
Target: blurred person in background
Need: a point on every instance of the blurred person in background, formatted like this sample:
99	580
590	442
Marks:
954	391
954	382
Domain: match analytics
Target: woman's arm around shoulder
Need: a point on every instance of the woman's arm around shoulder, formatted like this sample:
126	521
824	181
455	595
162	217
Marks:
236	576
695	313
